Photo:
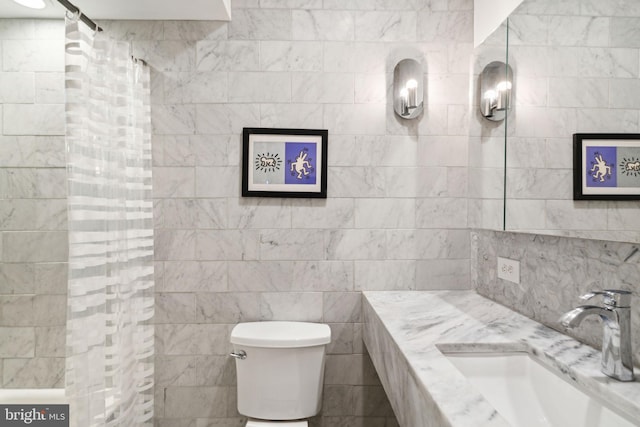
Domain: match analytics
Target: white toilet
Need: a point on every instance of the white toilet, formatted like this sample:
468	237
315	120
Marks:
280	369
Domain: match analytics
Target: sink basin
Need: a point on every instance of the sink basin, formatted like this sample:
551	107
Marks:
527	393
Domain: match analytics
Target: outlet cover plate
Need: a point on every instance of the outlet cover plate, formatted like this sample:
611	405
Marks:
509	269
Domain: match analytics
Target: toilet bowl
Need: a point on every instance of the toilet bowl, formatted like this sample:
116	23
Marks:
280	371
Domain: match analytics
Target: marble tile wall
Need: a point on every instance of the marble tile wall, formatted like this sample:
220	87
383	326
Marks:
396	212
577	70
33	207
554	272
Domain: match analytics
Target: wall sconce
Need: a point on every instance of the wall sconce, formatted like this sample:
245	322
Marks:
408	89
496	90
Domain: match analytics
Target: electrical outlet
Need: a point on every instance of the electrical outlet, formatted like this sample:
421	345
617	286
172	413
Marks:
509	269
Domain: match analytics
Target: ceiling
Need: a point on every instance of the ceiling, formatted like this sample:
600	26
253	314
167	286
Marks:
190	10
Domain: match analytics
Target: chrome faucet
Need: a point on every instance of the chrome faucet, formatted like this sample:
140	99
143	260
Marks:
617	359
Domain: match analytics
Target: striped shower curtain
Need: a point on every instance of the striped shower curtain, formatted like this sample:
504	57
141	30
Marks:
109	361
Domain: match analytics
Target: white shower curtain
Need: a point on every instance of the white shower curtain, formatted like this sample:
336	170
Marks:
109	362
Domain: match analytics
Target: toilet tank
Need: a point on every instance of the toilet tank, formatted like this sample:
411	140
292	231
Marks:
282	374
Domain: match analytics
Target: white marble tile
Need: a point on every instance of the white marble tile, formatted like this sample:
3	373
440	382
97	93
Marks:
609	62
231	55
17	278
332	213
624	31
33	214
385	26
174	307
260	213
217	181
228	307
441	213
166	55
35	246
526	214
40	372
216	245
323	25
579	31
18	88
325	276
175	371
259	87
32	151
261	24
33	55
385	213
33	119
445	26
342	307
174	182
302	116
17	342
602	120
16	310
428	244
360	119
226	119
291	4
290	56
192	339
196	87
215	150
200	402
322	88
281	244
292	306
442	274
195	30
194	276
385	275
362	57
562	215
578	92
530	183
174	119
134	29
623	94
254	276
355	244
174	245
50	341
49	88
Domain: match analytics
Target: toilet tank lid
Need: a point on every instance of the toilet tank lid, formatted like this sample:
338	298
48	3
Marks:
276	334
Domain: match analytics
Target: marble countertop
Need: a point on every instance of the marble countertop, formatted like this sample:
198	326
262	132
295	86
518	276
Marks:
421	323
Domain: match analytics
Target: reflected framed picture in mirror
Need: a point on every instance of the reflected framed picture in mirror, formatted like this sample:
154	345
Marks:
284	162
606	166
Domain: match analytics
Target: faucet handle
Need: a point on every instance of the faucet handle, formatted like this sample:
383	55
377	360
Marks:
613	298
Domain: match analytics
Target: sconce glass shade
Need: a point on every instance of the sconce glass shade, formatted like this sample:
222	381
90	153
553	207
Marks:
408	89
496	91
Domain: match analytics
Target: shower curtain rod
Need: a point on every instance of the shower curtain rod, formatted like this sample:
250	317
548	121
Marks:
84	18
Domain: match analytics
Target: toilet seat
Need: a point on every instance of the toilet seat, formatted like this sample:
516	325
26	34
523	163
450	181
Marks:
263	423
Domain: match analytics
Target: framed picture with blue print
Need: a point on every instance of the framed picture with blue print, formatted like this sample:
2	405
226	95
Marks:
606	166
284	162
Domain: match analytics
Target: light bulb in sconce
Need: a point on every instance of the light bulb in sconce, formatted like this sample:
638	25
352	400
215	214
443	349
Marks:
32	4
504	95
496	89
488	102
404	101
408	89
412	95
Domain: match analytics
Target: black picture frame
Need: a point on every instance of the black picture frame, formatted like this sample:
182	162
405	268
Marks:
280	162
606	166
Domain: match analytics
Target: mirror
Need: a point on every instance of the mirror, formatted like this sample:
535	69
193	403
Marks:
577	69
